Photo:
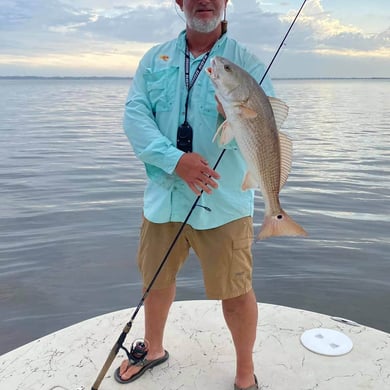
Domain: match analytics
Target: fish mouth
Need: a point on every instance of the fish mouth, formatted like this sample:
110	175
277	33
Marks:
210	70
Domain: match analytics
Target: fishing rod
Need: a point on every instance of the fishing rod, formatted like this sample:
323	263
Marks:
119	343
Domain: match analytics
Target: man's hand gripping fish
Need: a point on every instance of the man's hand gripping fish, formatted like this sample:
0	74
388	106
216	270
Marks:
254	120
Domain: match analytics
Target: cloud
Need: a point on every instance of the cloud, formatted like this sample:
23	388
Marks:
260	28
49	33
37	27
317	29
318	45
143	24
38	15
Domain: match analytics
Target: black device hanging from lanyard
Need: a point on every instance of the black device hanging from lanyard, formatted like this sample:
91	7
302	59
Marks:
184	131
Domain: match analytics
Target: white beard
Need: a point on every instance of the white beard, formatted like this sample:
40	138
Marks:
203	26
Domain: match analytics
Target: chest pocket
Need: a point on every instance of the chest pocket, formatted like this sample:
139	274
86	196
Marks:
160	86
209	104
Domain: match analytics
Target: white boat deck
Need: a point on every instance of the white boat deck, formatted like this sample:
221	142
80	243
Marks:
202	354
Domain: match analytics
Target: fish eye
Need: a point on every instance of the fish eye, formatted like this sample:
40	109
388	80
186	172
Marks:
227	68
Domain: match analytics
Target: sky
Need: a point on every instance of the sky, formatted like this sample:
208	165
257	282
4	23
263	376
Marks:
332	38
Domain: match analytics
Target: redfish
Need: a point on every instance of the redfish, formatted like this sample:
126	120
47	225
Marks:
254	120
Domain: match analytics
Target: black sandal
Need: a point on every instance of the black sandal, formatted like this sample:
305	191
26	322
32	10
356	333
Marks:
253	387
145	364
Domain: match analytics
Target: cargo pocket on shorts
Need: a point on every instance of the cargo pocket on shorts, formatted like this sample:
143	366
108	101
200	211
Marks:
241	265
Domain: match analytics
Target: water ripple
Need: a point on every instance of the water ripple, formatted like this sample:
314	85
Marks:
71	205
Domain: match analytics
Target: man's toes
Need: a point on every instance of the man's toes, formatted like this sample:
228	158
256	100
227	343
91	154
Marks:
126	370
123	367
132	370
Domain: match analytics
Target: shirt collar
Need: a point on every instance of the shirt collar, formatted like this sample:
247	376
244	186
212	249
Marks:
181	42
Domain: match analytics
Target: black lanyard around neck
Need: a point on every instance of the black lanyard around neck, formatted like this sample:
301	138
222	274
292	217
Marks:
190	84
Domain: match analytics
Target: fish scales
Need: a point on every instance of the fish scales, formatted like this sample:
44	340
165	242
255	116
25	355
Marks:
252	122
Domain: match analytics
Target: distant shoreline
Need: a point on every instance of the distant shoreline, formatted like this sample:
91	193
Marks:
130	78
64	78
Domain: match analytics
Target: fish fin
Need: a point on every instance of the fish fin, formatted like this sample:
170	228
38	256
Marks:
280	225
249	182
286	148
280	109
219	129
224	134
247	112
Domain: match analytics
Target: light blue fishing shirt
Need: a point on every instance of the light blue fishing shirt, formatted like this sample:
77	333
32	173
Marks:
154	110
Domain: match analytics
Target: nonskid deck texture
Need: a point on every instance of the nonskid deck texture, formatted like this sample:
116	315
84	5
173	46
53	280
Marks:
202	354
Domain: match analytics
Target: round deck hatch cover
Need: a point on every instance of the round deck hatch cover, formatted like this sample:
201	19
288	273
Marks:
327	342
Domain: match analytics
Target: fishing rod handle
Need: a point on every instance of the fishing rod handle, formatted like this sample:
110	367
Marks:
111	356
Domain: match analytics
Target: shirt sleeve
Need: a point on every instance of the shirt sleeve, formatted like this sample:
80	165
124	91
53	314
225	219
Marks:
149	144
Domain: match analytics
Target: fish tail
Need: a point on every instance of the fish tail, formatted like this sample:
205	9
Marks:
280	225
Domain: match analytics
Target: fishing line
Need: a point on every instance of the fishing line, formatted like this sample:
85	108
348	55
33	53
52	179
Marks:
119	343
282	43
177	12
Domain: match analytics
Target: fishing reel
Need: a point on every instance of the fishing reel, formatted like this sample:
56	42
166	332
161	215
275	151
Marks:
138	351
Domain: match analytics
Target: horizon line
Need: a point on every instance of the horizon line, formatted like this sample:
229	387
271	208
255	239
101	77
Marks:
131	77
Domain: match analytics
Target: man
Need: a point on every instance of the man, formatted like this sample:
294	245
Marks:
170	120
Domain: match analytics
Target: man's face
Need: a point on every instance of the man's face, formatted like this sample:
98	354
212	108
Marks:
203	16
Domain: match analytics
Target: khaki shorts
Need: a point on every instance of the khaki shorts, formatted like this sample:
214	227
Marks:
225	255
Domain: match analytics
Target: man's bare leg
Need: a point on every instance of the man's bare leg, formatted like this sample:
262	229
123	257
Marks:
241	317
157	305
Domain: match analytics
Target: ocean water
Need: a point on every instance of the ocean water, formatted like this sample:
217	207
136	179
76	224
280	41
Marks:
71	203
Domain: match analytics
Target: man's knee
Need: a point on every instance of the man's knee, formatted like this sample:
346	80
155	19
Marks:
239	303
